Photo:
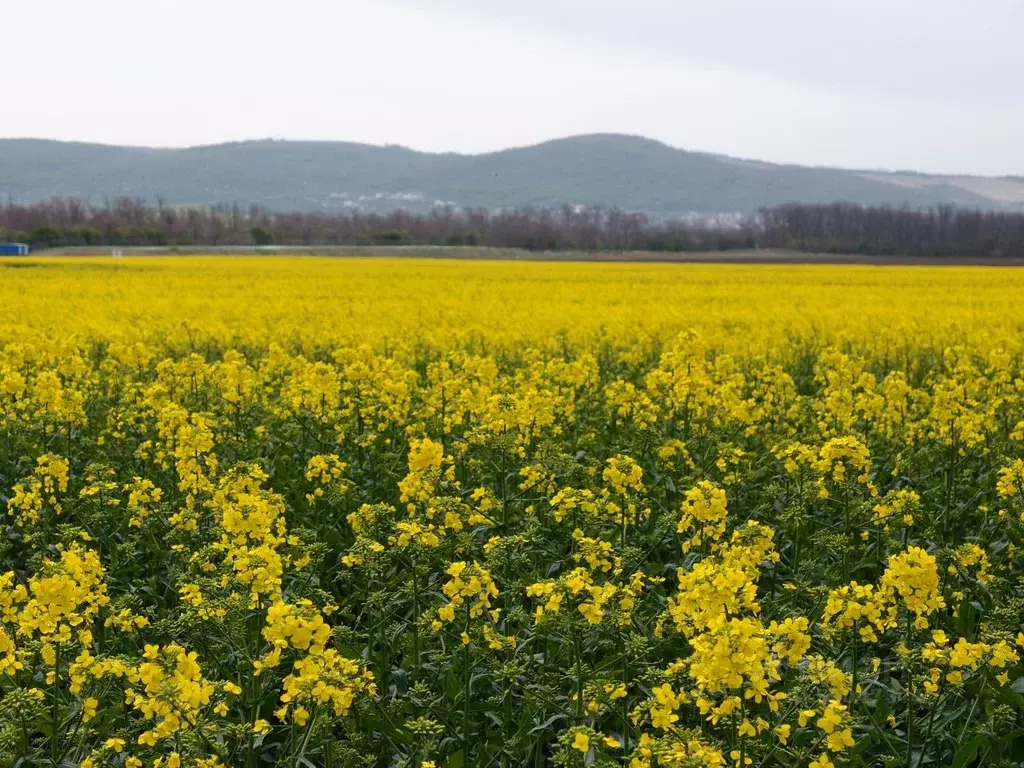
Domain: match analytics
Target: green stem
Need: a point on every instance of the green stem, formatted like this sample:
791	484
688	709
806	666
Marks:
466	685
625	699
856	648
970	715
55	709
846	527
742	738
415	617
910	698
931	722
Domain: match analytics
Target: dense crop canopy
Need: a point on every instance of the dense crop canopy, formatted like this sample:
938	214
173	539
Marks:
324	512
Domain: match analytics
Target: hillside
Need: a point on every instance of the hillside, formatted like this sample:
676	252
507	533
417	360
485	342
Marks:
611	170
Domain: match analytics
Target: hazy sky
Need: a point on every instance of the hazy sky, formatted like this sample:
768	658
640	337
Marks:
934	85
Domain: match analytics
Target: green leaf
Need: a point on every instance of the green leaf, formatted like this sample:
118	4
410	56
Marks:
547	723
968	751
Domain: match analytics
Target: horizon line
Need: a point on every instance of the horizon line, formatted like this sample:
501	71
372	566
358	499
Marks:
511	148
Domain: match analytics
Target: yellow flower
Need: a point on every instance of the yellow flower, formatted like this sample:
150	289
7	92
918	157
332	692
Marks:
581	742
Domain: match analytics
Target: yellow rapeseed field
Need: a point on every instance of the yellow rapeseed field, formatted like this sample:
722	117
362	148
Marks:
412	513
441	305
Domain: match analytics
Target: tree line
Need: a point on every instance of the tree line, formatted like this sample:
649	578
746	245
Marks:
133	222
941	232
944	231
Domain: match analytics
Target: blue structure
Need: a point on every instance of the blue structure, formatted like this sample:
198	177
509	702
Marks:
13	249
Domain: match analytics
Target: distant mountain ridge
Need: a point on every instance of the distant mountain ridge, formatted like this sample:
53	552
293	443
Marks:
611	170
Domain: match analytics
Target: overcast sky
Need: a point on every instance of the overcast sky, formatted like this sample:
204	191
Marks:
935	85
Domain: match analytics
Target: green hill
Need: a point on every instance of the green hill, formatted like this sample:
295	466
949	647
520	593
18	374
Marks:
611	170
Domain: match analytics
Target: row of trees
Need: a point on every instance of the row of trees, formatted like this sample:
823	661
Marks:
941	232
945	231
127	222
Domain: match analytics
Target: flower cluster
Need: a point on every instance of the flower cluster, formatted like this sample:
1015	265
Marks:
258	513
